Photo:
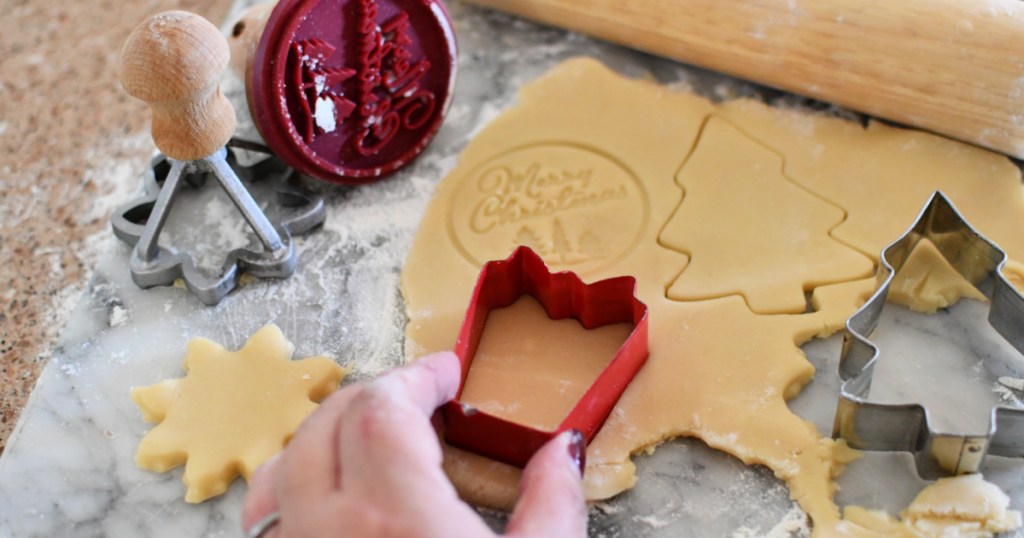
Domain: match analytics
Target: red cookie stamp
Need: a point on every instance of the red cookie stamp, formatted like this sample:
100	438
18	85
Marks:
351	90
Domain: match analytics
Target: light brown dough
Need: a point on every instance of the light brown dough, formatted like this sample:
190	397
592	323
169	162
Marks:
964	507
232	411
531	369
782	229
926	282
882	175
587	153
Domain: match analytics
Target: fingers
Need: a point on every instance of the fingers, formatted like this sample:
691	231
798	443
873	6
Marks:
551	499
386	426
260	500
310	466
387	442
307	469
428	382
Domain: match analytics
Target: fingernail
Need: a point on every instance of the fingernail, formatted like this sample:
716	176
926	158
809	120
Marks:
578	450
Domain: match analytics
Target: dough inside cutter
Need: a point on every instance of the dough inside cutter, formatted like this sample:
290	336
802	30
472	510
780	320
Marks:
531	369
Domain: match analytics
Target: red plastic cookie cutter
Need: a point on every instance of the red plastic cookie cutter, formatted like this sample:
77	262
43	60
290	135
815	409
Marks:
351	90
562	295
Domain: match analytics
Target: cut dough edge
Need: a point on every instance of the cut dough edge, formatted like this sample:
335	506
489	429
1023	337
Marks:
214	424
704	179
608	476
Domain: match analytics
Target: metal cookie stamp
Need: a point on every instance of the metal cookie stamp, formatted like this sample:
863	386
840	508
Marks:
173	61
562	295
886	427
295	211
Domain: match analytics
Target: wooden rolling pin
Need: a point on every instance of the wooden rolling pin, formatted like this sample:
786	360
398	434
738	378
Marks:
955	67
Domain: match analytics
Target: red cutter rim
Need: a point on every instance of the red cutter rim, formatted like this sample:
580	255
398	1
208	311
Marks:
562	295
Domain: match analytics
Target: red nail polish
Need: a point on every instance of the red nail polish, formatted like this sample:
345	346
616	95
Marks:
578	450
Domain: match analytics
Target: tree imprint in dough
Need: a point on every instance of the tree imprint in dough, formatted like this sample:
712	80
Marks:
749	231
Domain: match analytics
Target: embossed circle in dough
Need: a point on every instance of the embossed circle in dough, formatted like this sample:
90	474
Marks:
577	207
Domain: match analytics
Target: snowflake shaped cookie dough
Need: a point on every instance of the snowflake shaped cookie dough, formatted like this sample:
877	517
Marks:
232	411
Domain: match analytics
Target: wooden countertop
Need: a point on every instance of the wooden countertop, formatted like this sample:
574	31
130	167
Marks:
67	130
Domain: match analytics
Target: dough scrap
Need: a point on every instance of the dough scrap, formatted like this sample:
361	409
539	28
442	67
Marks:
927	282
964	506
232	411
588	150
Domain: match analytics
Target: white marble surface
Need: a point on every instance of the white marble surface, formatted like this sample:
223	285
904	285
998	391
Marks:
951	362
69	469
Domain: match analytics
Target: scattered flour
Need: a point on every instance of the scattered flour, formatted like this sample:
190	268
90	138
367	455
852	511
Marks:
117	180
793	525
325	114
89	251
118	316
652	520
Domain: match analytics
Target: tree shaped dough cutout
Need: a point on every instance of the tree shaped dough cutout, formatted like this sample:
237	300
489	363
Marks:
750	231
232	411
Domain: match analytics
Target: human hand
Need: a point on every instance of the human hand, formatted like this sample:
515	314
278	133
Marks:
367	463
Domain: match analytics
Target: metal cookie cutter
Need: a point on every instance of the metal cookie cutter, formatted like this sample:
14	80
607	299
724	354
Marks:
905	427
562	295
141	221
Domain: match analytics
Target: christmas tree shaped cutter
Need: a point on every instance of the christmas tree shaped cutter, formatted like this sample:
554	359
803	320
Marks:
867	425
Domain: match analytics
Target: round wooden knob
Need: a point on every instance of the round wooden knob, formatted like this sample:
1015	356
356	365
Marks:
174	61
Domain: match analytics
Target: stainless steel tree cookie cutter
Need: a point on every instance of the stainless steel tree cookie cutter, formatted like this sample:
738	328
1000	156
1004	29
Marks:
905	427
141	221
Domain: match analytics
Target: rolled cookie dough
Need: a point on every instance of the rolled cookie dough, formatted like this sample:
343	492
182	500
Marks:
532	370
590	169
232	411
782	229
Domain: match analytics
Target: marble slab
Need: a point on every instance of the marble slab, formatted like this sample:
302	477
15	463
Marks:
69	469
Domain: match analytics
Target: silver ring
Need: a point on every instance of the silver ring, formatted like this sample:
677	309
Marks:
261	527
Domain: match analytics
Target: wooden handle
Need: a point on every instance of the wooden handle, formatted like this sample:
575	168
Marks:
174	61
951	66
245	36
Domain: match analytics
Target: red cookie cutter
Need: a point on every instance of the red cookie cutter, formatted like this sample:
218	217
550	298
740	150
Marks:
351	90
562	295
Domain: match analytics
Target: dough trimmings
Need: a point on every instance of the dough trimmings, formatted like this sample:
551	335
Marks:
232	411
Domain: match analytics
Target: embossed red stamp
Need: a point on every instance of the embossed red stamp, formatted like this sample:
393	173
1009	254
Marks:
351	90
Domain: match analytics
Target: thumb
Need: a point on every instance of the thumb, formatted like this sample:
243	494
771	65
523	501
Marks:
551	491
